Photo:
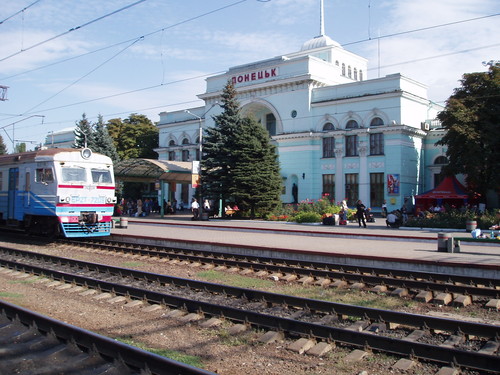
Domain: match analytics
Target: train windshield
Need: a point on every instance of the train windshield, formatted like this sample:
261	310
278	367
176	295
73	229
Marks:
74	174
101	176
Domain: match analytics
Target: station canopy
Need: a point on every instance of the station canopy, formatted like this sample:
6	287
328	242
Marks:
151	170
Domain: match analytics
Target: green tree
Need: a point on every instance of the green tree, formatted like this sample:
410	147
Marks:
84	132
218	161
472	121
102	141
3	146
256	184
134	137
239	162
20	147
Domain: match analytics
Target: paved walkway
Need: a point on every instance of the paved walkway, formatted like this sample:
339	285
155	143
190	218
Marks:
376	242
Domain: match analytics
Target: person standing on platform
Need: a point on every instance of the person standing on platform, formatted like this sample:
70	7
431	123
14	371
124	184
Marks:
384	209
360	213
344	209
195	209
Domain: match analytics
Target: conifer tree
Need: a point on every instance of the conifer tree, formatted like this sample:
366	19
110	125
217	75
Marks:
256	181
239	163
84	133
3	147
102	141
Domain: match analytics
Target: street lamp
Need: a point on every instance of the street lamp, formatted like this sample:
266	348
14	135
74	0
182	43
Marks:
200	148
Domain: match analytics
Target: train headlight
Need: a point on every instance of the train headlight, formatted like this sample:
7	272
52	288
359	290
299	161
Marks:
64	199
86	153
111	200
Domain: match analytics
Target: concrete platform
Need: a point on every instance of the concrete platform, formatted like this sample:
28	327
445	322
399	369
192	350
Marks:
376	245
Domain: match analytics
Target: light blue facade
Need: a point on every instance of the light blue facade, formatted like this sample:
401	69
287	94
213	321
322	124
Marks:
336	131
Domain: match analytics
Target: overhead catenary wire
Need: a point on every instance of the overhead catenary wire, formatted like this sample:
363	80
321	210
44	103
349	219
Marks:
71	30
196	17
19	12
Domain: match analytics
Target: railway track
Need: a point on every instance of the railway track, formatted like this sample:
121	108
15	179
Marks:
31	343
305	323
442	289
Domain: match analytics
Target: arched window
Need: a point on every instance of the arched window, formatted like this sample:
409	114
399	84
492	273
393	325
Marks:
171	143
355	74
349	73
360	75
185	141
337	62
328	126
376	121
440	160
352	124
343	69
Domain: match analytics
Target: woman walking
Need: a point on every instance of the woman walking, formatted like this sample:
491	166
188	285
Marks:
360	213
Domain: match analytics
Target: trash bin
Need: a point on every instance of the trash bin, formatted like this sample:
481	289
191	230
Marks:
123	222
443	239
204	216
470	225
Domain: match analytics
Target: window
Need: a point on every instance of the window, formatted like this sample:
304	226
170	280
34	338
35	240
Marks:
440	160
343	69
329	186
185	155
377	144
352	124
44	175
355	74
376	189
351	145
171	155
328	126
74	174
101	176
329	147
360	75
271	124
351	187
349	73
376	121
171	143
185	141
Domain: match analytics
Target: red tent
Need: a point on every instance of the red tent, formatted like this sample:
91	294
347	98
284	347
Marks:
450	191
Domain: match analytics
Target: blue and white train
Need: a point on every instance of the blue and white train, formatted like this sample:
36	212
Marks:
59	192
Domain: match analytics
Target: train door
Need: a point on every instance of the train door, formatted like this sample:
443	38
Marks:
13	189
27	195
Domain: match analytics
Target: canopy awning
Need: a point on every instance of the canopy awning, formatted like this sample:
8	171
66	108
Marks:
151	170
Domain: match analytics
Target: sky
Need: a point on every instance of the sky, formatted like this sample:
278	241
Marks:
63	58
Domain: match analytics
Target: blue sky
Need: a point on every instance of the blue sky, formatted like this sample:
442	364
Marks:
63	58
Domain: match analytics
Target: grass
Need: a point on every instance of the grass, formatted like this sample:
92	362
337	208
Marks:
235	280
10	295
132	264
347	296
176	356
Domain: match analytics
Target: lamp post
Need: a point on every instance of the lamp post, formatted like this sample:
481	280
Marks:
200	148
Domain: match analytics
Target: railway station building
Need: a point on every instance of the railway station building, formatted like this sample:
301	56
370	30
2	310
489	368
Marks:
337	131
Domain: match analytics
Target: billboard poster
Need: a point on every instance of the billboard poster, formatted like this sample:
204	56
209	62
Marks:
393	184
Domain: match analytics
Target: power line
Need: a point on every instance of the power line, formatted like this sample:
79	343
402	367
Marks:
132	39
85	75
71	30
21	11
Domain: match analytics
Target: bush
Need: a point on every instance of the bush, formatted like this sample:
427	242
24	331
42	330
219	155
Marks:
453	219
307	217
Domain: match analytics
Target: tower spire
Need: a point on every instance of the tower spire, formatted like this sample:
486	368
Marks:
321	19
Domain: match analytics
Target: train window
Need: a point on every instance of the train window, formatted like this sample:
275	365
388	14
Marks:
73	174
44	175
101	176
